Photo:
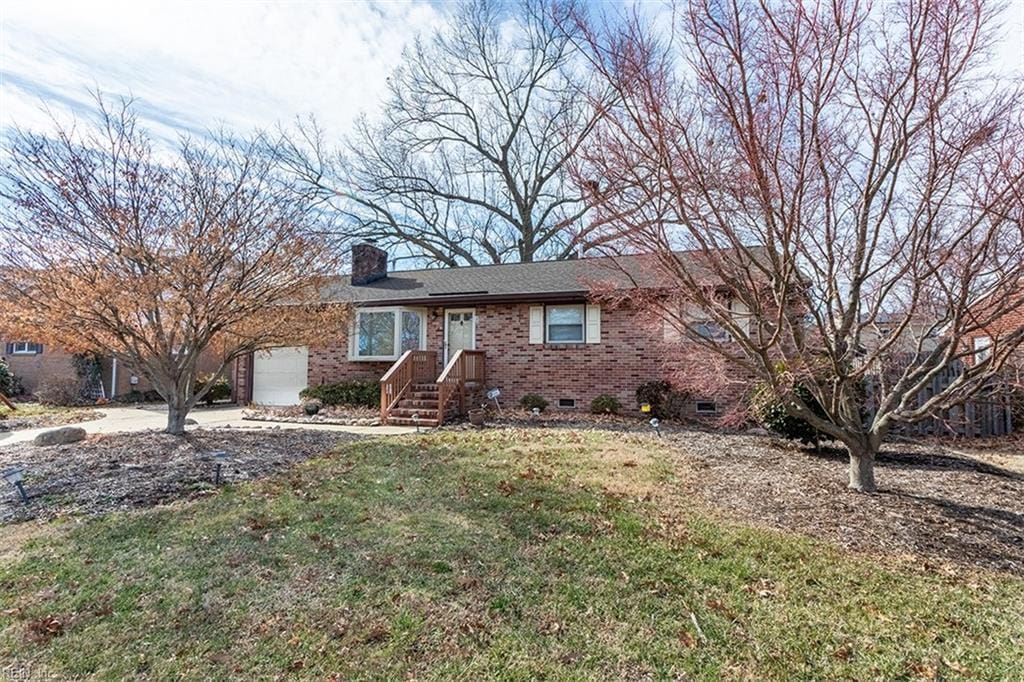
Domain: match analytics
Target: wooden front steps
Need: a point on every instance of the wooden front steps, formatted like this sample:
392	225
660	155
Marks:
408	388
421	399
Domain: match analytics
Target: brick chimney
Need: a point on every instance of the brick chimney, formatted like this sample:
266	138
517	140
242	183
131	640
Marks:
369	263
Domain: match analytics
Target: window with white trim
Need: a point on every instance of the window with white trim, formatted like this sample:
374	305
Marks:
386	333
702	324
25	348
566	323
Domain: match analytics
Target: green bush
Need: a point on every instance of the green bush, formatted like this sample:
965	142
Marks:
352	393
532	400
605	404
219	390
9	384
770	412
665	402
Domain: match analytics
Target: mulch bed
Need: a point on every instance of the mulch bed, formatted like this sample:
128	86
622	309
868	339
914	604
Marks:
14	422
560	419
943	507
123	471
328	414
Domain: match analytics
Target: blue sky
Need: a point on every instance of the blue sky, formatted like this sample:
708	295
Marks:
244	64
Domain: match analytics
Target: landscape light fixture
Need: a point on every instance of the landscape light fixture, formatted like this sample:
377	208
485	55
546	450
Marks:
536	412
656	425
416	420
219	458
15	476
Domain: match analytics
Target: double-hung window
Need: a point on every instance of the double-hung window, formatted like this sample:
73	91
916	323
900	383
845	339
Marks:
566	323
705	327
386	333
24	348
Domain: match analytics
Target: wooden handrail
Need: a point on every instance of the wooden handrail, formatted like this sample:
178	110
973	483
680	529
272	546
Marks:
464	366
415	366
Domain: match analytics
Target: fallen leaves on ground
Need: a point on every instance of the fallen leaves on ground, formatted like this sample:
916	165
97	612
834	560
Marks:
130	470
949	510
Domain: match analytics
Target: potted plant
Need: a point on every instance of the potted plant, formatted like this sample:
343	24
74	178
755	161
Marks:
476	416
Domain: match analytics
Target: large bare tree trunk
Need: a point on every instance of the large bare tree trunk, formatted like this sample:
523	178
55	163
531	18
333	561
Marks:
177	413
176	420
862	469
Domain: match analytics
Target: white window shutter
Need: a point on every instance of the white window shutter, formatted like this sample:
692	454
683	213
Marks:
741	315
537	324
669	330
593	324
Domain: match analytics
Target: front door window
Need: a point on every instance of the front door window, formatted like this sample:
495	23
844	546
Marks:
461	331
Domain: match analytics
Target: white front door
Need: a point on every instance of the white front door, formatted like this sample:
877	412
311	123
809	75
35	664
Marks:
279	374
459	331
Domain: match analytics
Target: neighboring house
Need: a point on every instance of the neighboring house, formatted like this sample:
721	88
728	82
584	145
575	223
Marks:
34	364
921	332
1003	326
523	328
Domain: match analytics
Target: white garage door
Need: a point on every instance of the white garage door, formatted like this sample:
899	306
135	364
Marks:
278	375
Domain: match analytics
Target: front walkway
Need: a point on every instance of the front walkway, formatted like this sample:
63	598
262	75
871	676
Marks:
129	419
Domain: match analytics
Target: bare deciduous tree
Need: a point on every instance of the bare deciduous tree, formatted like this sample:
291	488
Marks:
468	162
111	246
833	166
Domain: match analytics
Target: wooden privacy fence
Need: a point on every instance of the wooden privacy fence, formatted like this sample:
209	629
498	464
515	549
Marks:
988	414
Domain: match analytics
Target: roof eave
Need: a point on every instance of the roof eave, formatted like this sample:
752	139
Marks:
477	299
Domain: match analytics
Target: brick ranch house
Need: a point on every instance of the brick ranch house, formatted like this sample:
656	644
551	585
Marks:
525	328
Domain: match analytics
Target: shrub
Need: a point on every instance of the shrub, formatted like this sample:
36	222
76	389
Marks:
770	412
9	384
219	390
62	392
532	400
605	404
352	393
665	402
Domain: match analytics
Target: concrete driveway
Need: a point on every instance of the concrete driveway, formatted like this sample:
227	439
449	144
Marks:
128	419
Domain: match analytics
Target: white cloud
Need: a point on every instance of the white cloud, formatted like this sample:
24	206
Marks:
195	65
198	64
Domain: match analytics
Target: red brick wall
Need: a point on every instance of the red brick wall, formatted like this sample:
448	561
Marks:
240	379
616	365
33	370
54	364
1005	325
626	357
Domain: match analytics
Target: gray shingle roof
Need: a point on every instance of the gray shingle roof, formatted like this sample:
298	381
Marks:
544	280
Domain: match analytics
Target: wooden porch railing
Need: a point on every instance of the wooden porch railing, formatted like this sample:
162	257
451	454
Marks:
415	366
464	367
